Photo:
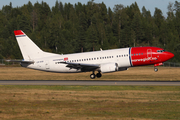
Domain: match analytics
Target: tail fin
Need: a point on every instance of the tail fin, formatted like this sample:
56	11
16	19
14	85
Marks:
29	49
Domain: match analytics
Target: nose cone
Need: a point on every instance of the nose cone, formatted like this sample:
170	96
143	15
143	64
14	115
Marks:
169	55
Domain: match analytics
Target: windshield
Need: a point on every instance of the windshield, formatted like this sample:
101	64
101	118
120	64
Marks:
160	51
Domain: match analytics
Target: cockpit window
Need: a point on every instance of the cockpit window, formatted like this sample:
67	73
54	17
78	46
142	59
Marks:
160	51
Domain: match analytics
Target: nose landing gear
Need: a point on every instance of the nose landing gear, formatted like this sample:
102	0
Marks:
155	65
98	75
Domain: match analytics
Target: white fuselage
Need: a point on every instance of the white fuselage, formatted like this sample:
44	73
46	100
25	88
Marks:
53	63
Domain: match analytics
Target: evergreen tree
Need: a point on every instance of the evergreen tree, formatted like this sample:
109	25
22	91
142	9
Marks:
68	28
91	41
110	16
136	25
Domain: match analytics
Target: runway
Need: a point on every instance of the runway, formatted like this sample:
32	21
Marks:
92	83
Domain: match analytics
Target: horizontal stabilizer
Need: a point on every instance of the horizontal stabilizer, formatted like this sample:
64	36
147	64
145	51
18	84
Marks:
20	61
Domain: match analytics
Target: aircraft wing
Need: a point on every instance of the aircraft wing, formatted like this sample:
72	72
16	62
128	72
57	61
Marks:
21	61
82	66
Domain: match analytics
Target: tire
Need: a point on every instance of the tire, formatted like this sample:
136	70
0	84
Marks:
92	76
98	75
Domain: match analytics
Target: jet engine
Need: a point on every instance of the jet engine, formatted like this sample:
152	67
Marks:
109	67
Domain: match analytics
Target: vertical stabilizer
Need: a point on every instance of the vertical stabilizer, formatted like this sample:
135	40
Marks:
29	49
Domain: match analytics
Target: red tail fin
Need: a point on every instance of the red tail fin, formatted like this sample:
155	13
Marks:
18	32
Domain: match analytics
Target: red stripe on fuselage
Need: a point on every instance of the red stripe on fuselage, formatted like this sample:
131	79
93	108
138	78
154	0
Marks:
145	56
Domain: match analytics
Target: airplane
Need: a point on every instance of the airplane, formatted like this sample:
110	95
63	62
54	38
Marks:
103	61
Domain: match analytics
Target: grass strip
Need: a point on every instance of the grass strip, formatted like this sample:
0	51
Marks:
134	73
93	88
89	102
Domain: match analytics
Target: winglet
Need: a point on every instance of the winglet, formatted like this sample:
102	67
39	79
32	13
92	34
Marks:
18	32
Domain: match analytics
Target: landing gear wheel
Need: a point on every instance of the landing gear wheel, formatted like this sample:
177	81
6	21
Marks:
155	69
92	76
98	75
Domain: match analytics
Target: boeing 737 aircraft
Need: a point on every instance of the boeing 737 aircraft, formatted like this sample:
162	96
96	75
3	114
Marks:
103	61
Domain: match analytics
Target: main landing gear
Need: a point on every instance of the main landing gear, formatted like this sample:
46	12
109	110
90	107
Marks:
98	75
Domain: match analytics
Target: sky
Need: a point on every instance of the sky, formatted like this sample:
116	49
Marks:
149	4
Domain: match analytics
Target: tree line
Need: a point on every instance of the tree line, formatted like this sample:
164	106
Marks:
67	28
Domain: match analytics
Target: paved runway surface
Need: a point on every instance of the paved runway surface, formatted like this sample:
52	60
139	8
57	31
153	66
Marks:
70	82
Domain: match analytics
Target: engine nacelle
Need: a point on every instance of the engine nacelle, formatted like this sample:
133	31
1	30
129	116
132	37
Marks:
109	67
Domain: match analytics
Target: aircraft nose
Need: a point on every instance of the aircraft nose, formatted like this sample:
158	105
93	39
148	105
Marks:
169	55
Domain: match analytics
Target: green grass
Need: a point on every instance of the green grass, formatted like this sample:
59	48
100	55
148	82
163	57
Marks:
133	74
89	102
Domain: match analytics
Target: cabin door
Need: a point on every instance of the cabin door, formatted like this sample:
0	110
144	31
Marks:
149	53
47	65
